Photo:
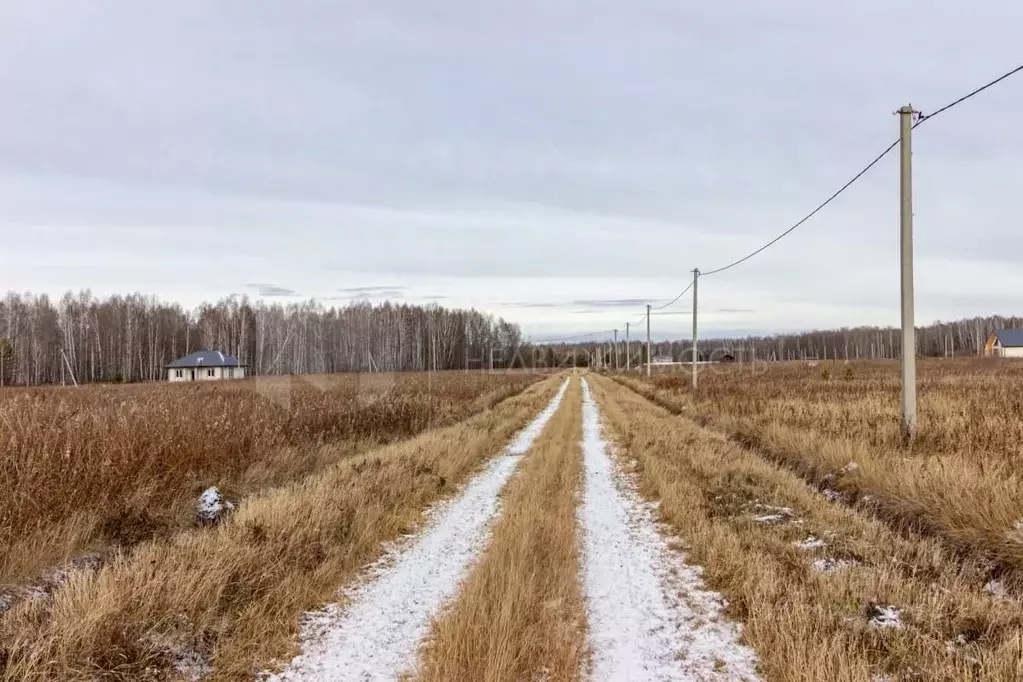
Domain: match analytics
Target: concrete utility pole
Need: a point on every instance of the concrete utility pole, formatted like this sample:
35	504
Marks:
628	358
906	256
696	278
648	358
616	350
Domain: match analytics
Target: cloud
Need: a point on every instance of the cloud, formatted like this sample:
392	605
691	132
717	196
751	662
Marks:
613	303
375	292
532	304
602	304
272	290
369	290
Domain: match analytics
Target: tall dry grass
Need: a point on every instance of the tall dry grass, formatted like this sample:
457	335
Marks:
805	623
959	480
520	614
114	465
231	597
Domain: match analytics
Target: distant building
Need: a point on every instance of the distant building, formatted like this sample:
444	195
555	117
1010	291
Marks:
205	365
662	360
1005	343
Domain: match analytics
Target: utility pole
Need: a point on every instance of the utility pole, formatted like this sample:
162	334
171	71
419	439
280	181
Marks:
906	257
648	358
616	350
696	278
628	358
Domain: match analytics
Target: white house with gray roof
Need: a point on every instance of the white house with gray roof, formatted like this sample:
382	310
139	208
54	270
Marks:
205	365
1005	343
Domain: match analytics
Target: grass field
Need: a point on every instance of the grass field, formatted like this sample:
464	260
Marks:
959	481
809	574
792	531
100	467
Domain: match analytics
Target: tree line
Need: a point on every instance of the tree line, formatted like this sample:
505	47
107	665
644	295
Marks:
941	339
130	338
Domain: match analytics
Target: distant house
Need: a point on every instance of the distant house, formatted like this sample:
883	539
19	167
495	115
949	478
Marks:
1005	343
662	360
205	365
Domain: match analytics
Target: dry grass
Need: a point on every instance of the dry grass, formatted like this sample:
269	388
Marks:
233	595
520	615
806	624
112	466
959	480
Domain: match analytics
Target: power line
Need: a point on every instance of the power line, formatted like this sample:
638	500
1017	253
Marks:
675	300
575	337
809	215
642	315
923	117
927	117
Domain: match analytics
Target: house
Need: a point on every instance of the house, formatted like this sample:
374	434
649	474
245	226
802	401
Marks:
662	360
205	365
1005	343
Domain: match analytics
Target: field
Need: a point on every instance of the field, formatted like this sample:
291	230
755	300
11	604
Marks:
772	526
86	470
958	481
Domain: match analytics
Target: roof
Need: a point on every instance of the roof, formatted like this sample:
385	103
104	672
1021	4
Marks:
205	358
1010	337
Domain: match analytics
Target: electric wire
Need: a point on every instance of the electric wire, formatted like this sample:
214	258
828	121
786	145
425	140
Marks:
920	120
809	215
927	117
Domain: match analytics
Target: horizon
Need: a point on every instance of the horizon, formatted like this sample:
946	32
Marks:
658	336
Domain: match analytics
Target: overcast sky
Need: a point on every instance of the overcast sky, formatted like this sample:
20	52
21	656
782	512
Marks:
556	162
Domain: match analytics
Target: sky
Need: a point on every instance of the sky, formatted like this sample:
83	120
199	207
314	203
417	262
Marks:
559	163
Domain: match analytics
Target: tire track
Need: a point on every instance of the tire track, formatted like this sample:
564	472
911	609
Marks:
378	634
650	617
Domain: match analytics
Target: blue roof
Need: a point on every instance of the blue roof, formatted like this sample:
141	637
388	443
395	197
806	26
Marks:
205	358
1010	337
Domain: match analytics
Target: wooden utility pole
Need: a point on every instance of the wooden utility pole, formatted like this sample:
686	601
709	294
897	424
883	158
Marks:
628	358
648	358
696	277
906	259
616	350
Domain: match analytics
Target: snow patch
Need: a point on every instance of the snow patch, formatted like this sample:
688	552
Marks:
831	495
777	516
882	616
650	616
49	581
771	519
378	634
212	506
810	543
828	565
997	589
187	660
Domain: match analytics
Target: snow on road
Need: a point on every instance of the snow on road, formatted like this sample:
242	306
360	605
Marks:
377	637
650	617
